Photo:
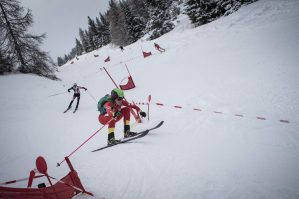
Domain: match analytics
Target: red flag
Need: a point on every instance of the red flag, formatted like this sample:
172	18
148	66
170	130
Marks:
146	54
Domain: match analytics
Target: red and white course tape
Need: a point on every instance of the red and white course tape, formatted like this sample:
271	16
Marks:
216	112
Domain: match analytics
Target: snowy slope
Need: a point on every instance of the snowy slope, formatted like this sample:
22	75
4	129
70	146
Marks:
245	63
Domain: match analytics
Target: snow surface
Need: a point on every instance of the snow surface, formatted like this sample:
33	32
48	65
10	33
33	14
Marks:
245	63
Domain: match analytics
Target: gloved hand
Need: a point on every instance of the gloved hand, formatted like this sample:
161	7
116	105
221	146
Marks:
86	89
143	114
116	114
68	90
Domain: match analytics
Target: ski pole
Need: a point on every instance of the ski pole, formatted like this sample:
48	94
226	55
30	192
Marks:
57	94
58	164
20	180
149	100
91	96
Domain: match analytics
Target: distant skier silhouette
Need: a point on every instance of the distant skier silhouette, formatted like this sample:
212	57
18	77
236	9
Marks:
158	47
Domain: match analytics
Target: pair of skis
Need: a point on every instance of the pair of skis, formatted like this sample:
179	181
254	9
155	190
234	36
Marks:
69	109
137	136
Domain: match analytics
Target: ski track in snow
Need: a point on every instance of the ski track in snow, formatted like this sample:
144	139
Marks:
245	63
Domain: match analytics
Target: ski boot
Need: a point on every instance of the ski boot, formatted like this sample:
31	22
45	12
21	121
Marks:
113	141
129	134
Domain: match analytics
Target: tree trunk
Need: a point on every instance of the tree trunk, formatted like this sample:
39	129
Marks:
17	48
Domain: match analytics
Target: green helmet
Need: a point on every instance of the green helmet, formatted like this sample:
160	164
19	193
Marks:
117	93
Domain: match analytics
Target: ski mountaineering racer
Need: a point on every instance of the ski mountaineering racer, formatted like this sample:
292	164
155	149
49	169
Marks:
76	90
112	109
158	47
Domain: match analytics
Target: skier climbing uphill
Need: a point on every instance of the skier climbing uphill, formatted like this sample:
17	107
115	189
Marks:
114	107
76	90
158	47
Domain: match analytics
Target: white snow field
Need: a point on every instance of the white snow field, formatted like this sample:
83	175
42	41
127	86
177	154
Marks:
245	64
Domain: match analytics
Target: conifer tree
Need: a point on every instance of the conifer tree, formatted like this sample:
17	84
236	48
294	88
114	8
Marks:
73	53
66	58
99	35
22	46
93	34
60	61
79	47
5	65
119	33
161	21
204	11
192	10
90	44
84	41
134	24
104	29
140	9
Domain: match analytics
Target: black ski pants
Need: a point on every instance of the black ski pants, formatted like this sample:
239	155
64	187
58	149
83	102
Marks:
78	100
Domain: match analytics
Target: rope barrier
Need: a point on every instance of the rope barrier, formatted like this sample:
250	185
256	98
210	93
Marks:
216	112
